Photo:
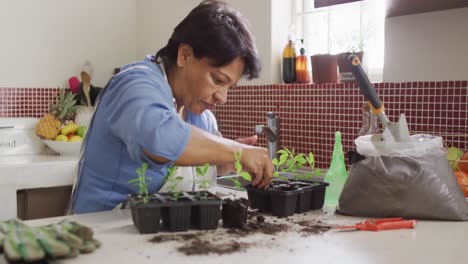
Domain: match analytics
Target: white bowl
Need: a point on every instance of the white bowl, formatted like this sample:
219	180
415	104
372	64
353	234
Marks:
64	148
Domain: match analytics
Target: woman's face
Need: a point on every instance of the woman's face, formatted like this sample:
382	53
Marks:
198	86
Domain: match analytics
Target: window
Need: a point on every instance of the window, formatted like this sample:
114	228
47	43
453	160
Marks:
357	26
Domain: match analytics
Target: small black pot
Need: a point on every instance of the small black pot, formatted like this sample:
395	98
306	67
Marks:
306	196
176	215
206	210
318	195
283	200
146	216
258	198
235	213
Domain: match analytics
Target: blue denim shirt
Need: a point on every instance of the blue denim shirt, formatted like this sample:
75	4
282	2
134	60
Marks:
135	112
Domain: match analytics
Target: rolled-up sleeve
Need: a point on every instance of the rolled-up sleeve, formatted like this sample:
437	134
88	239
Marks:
142	115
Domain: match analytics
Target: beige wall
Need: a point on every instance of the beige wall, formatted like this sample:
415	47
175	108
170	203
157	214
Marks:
45	42
157	19
428	47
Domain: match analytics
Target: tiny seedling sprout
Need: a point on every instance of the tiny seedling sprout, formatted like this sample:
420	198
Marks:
142	182
173	181
202	181
245	175
289	162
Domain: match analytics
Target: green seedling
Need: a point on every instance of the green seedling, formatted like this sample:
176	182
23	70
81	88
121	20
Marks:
279	163
289	162
202	181
141	182
245	175
311	161
173	181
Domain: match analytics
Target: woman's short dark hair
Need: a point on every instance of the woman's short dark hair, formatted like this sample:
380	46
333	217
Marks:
215	31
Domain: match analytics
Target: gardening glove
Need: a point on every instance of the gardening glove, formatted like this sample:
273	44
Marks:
5	227
85	233
63	240
21	245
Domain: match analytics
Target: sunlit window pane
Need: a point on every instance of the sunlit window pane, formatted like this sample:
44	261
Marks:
315	32
345	28
357	26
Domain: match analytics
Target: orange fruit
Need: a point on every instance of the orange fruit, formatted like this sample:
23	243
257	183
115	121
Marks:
463	163
462	179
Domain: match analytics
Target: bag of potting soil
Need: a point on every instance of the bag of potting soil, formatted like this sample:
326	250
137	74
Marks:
403	179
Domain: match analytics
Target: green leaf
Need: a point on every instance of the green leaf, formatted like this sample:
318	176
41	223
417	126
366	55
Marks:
300	159
282	152
275	162
246	176
199	171
318	172
311	159
205	168
238	167
283	158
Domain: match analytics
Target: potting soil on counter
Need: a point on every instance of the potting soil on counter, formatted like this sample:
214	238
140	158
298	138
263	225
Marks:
396	179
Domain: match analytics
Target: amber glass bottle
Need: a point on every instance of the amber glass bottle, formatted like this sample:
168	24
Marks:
289	62
303	70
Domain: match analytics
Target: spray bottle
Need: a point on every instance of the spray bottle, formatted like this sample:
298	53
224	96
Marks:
337	174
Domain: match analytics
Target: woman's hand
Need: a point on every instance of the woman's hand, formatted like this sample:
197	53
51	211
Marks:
257	161
228	168
204	147
252	140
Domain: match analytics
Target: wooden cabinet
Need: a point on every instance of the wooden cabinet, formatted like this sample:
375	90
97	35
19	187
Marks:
410	7
324	3
42	202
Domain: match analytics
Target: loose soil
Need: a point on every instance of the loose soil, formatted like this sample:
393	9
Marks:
313	227
207	242
214	242
203	247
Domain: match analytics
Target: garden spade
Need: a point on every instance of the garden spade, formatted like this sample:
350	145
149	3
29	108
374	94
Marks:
392	131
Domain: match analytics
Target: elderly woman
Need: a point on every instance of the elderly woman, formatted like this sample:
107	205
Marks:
158	111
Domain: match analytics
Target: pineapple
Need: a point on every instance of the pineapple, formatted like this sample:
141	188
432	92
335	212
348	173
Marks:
48	127
50	124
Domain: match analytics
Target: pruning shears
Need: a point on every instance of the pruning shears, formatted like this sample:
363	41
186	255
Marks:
382	224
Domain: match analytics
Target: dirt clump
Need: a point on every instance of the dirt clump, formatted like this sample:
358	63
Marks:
204	247
259	227
174	237
313	227
260	219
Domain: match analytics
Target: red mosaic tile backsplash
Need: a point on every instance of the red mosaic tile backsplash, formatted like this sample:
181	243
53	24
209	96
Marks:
310	113
26	102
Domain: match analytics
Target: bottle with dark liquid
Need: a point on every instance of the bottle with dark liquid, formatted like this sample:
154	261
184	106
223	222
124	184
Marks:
289	62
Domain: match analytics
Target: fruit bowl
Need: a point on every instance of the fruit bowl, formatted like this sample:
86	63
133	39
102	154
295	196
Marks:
64	148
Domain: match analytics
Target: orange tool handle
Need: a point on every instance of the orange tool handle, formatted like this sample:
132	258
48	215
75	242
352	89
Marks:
383	220
390	225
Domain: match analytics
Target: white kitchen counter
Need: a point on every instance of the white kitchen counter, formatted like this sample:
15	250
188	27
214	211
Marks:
32	171
429	242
